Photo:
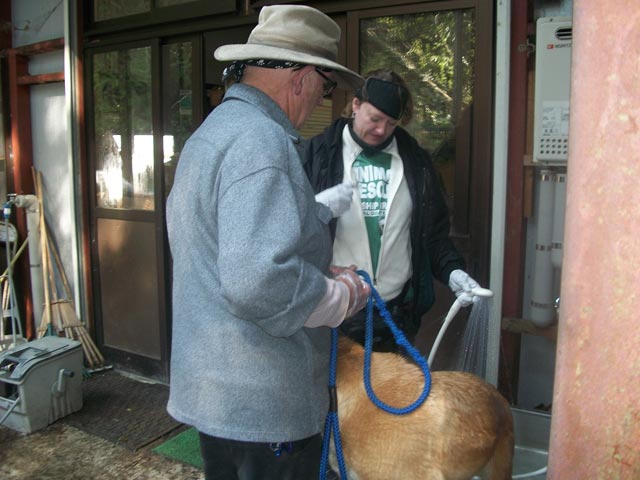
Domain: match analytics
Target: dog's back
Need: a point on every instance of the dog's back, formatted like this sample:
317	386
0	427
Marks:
464	428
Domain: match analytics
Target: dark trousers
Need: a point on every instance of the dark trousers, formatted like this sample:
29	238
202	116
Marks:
235	460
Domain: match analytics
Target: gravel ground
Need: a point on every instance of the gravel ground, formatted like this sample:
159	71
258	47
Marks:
63	452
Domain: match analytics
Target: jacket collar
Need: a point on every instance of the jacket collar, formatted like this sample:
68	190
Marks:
264	103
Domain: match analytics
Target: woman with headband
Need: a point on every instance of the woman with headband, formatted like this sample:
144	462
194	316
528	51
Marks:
390	215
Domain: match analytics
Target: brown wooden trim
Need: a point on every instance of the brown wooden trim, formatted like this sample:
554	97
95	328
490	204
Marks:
514	242
41	79
5	19
38	48
19	164
521	325
83	172
515	232
19	104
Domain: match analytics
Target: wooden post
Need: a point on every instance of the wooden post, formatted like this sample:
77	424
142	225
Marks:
595	426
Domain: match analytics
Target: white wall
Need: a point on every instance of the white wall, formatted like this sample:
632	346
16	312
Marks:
36	21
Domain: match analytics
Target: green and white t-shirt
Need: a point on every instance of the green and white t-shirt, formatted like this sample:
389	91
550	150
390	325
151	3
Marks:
374	234
372	175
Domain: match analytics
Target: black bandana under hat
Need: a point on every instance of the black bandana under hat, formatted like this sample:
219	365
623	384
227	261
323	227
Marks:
236	69
390	98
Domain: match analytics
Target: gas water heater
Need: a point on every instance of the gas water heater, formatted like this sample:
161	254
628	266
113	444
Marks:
550	153
552	82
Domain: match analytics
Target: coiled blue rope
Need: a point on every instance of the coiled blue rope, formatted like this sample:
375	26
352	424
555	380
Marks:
402	341
331	423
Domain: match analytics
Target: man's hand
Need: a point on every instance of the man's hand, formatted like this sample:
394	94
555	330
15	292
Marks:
359	290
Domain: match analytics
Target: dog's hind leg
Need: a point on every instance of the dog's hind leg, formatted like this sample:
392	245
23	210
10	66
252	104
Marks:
501	463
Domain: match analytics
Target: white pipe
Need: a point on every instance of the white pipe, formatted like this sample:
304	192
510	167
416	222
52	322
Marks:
542	299
31	206
499	201
557	237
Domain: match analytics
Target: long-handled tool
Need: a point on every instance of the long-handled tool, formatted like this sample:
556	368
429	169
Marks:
60	312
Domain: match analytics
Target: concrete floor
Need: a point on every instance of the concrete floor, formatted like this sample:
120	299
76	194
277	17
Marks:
61	451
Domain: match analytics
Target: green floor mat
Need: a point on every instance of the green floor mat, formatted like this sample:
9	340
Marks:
184	447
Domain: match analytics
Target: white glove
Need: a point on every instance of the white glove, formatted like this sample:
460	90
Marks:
461	284
337	198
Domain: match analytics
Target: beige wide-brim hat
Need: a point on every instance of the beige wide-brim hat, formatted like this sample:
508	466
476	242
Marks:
294	33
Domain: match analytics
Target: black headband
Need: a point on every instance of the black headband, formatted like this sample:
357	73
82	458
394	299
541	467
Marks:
390	98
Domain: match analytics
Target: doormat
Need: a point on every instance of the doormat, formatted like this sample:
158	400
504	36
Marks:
184	447
122	410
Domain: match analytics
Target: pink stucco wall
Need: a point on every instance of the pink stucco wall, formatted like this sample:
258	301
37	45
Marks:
596	406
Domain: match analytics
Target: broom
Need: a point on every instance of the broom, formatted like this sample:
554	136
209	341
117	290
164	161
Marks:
72	325
46	324
61	311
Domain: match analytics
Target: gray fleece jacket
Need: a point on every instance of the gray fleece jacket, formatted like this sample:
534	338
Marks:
249	246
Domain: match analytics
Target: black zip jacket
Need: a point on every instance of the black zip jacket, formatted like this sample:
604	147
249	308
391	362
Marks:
433	252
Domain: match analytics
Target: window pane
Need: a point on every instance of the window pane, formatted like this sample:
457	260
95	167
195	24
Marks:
434	53
123	132
319	119
177	99
168	3
108	9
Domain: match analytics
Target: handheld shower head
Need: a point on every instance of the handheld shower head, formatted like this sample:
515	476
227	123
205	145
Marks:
482	292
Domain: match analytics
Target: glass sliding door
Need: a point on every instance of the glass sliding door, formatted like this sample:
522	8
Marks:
123	129
434	47
181	109
144	103
434	53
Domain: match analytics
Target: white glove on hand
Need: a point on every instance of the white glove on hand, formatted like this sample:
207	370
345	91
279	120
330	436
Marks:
359	290
337	198
461	284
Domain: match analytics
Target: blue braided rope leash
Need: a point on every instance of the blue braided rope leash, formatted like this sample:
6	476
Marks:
331	423
402	341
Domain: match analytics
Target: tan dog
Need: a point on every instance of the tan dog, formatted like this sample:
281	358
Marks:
464	428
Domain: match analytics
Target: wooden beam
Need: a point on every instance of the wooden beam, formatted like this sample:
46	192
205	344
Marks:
38	48
520	325
20	161
41	79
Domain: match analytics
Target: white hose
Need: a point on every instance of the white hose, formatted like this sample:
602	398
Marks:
455	308
453	311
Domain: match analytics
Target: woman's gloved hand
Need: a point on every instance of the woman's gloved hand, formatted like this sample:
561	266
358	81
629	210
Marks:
359	290
337	198
461	284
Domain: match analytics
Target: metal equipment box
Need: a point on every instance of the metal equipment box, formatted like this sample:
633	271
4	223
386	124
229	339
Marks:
554	36
40	382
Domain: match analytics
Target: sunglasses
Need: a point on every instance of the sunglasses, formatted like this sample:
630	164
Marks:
329	85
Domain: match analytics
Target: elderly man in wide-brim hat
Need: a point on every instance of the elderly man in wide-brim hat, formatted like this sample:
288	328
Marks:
252	297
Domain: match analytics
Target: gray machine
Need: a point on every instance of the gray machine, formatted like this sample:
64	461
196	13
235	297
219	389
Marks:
40	382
